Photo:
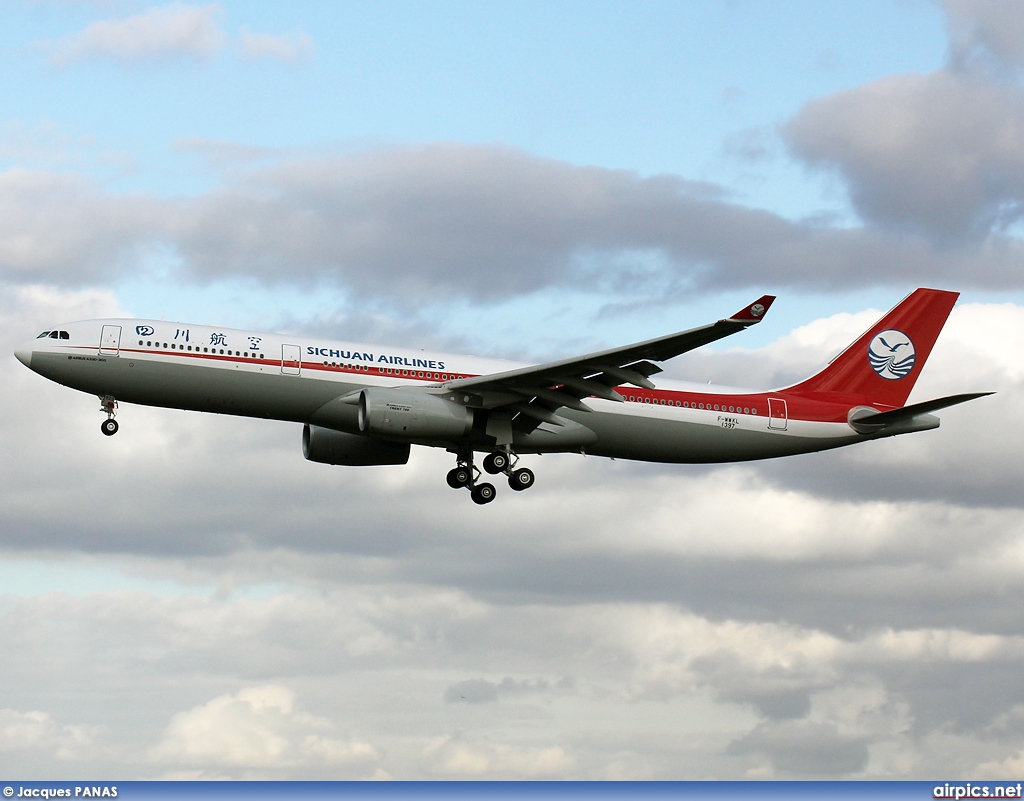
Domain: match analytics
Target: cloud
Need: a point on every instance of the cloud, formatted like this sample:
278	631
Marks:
806	749
22	733
176	31
938	154
221	155
288	47
454	757
257	727
58	226
472	691
481	691
446	220
986	34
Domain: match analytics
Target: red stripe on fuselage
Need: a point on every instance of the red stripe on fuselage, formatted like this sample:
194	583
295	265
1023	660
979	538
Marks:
799	407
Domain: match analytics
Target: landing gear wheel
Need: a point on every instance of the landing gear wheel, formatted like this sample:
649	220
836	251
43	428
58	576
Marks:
521	479
483	493
459	477
109	427
496	462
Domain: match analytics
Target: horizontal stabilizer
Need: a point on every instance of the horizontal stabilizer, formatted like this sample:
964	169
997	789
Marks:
864	421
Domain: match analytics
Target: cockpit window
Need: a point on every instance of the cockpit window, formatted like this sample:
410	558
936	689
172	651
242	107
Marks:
53	334
65	335
43	335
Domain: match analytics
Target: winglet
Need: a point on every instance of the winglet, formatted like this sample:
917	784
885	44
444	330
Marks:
754	312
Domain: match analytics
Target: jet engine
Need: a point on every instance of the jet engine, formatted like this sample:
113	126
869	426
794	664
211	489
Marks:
327	446
412	415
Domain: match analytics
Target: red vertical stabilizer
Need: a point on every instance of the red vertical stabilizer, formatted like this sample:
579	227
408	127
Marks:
882	366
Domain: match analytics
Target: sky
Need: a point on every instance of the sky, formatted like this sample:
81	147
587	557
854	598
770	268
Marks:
530	180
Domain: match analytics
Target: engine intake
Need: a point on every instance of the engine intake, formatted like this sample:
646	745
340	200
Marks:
327	446
411	415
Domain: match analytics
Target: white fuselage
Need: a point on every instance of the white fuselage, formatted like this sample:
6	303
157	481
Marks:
299	378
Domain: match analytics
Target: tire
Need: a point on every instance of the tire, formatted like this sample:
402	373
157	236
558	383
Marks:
483	493
109	427
458	477
521	479
496	462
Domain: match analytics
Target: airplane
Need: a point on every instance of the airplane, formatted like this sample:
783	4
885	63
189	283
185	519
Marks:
368	404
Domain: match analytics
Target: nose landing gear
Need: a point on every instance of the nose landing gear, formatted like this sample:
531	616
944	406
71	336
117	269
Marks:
108	405
466	474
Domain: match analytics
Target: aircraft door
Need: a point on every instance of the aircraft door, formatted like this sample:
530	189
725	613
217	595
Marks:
110	340
291	359
778	416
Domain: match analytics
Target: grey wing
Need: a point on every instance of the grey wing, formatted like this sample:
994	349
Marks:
538	392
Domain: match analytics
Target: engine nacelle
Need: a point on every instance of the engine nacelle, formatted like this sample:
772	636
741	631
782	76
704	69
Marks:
327	446
412	415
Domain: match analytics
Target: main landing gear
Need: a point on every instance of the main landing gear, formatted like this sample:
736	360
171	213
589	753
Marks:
109	406
466	474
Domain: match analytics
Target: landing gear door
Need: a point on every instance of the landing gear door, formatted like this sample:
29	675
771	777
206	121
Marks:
291	359
110	340
778	417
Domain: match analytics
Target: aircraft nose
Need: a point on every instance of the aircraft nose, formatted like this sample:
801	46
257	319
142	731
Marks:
24	355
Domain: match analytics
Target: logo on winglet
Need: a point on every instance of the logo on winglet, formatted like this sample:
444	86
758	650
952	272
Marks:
891	354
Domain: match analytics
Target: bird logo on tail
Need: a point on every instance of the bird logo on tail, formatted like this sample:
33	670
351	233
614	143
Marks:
891	354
